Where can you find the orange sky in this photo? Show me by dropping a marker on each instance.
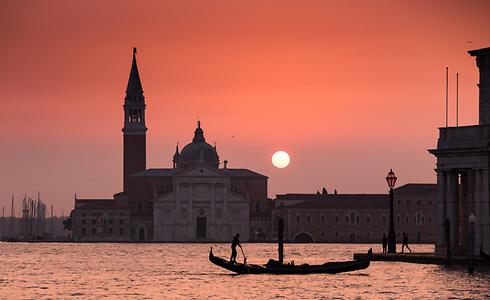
(348, 88)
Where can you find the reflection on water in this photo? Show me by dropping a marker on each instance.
(183, 271)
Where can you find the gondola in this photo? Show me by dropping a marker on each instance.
(275, 267)
(484, 255)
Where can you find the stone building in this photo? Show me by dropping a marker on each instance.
(463, 165)
(415, 211)
(100, 220)
(205, 202)
(194, 200)
(356, 218)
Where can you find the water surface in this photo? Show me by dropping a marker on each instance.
(157, 271)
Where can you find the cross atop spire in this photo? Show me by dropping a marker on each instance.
(134, 82)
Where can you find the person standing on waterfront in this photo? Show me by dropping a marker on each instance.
(405, 243)
(234, 244)
(384, 242)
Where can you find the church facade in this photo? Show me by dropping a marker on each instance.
(463, 176)
(194, 200)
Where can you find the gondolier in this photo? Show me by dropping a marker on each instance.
(234, 244)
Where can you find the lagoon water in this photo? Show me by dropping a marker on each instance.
(168, 271)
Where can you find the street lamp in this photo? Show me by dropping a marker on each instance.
(391, 180)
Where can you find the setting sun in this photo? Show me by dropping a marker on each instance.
(280, 159)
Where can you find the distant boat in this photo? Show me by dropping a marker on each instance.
(484, 255)
(275, 267)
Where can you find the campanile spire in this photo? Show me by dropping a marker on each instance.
(134, 130)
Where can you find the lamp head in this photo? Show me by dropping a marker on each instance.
(391, 179)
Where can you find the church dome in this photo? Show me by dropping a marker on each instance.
(198, 151)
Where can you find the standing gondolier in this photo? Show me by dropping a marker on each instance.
(234, 244)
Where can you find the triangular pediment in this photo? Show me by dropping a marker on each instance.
(200, 170)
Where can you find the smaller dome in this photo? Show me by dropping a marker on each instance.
(176, 154)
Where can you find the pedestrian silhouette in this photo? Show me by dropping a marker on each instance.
(405, 243)
(384, 242)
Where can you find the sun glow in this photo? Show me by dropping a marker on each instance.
(280, 159)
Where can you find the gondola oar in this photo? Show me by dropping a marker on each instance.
(244, 257)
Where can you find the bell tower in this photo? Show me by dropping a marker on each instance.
(134, 131)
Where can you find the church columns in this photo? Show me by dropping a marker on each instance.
(441, 211)
(452, 208)
(177, 202)
(213, 202)
(477, 209)
(485, 210)
(189, 202)
(224, 214)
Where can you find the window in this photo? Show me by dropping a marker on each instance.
(399, 202)
(93, 230)
(121, 222)
(257, 206)
(111, 231)
(429, 202)
(384, 219)
(368, 234)
(430, 219)
(83, 221)
(298, 219)
(323, 233)
(336, 219)
(398, 219)
(83, 231)
(423, 220)
(417, 203)
(110, 221)
(121, 230)
(408, 202)
(368, 219)
(140, 206)
(357, 220)
(347, 219)
(218, 213)
(308, 219)
(93, 222)
(414, 219)
(121, 214)
(352, 218)
(322, 218)
(83, 215)
(407, 219)
(184, 212)
(336, 234)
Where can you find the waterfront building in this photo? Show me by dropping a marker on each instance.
(100, 220)
(463, 181)
(194, 200)
(356, 218)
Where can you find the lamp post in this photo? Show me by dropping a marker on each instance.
(391, 180)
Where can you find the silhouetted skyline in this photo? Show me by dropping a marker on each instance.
(349, 90)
